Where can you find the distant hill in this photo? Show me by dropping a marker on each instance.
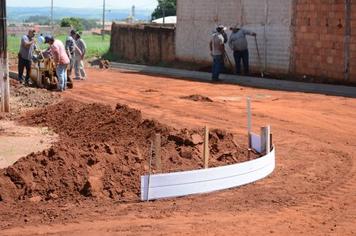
(21, 13)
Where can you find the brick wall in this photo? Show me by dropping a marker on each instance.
(143, 43)
(319, 37)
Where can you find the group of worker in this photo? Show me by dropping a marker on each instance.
(237, 43)
(65, 57)
(72, 53)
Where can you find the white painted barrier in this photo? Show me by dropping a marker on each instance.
(206, 180)
(256, 142)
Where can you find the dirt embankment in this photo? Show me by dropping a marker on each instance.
(102, 153)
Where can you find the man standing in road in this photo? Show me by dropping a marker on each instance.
(70, 47)
(238, 43)
(79, 55)
(27, 47)
(217, 51)
(61, 61)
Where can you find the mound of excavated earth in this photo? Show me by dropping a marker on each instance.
(197, 98)
(102, 152)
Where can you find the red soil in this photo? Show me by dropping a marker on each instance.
(102, 153)
(311, 192)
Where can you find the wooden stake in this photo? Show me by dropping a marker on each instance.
(249, 121)
(158, 152)
(206, 148)
(265, 139)
(2, 85)
(5, 89)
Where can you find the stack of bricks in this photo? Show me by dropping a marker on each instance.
(319, 48)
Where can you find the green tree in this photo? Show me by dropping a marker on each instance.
(79, 24)
(89, 24)
(41, 20)
(73, 22)
(166, 7)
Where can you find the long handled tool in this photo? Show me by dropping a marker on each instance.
(259, 58)
(229, 61)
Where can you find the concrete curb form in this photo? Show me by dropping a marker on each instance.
(184, 183)
(334, 90)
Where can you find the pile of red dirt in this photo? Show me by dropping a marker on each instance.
(102, 153)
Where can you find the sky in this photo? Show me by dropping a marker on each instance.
(110, 4)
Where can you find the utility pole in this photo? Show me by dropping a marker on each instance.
(52, 23)
(133, 13)
(103, 29)
(164, 11)
(4, 67)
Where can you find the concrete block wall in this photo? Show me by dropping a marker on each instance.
(302, 37)
(319, 48)
(270, 19)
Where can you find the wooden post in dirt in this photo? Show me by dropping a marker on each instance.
(265, 139)
(249, 126)
(206, 147)
(2, 85)
(158, 153)
(4, 71)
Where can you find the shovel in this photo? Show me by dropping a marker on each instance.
(259, 58)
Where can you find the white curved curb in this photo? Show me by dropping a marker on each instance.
(206, 180)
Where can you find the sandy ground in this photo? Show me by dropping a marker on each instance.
(311, 192)
(17, 141)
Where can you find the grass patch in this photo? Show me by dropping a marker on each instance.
(96, 47)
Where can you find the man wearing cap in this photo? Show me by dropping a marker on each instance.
(238, 43)
(27, 47)
(70, 47)
(217, 50)
(61, 60)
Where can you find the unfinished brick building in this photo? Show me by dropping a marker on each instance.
(303, 37)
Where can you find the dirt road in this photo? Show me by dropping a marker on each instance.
(312, 191)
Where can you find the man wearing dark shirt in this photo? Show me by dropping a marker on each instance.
(25, 55)
(70, 49)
